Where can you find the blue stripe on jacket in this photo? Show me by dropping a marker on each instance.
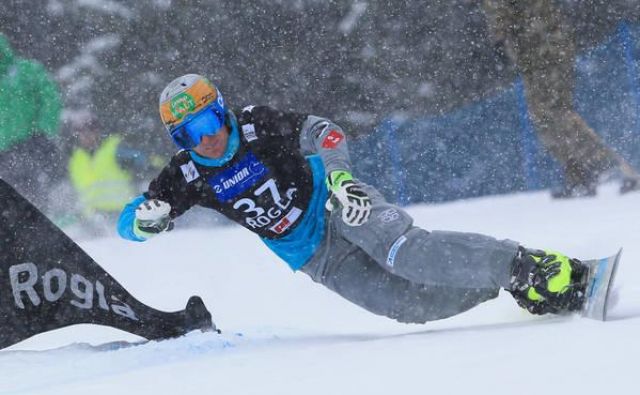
(298, 247)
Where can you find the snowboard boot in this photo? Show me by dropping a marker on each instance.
(548, 282)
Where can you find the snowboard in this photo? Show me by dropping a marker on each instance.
(599, 285)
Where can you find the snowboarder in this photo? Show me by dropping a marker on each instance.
(287, 178)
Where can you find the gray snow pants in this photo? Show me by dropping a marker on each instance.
(395, 269)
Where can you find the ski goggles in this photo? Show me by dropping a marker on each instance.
(206, 122)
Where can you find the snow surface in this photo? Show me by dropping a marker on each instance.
(284, 334)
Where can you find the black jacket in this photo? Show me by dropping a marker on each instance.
(267, 185)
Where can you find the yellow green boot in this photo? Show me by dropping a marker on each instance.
(548, 282)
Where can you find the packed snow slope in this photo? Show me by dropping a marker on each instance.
(283, 334)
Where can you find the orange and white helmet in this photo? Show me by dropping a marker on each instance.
(190, 108)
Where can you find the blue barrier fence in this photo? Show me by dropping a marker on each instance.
(490, 147)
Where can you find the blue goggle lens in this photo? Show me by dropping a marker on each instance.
(190, 133)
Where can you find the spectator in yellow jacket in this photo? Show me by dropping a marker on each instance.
(102, 169)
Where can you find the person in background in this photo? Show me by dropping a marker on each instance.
(103, 170)
(539, 40)
(30, 106)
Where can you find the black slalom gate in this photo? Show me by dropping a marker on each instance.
(47, 282)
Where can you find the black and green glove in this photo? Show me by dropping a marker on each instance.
(350, 195)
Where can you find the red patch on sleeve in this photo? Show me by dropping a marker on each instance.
(281, 226)
(332, 140)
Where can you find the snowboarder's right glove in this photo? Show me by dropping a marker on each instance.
(356, 204)
(152, 217)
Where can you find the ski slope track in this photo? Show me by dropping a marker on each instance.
(284, 334)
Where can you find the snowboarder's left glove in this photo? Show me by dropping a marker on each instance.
(356, 204)
(152, 217)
